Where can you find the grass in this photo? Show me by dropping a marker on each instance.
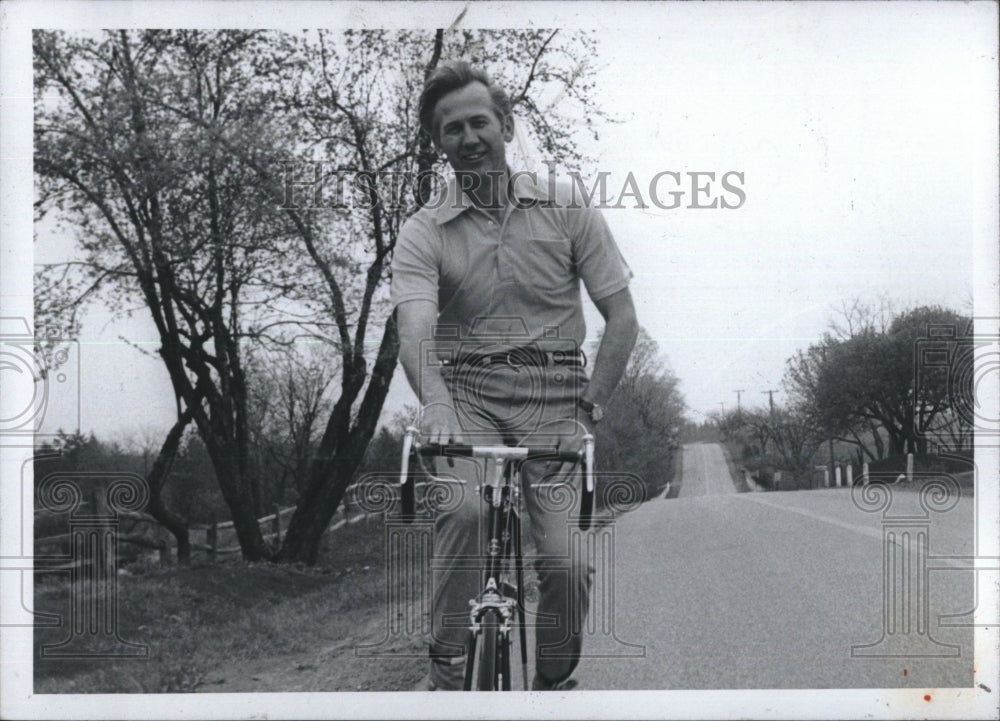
(735, 471)
(959, 463)
(960, 468)
(200, 619)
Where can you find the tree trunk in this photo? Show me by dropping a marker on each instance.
(305, 531)
(173, 522)
(239, 498)
(863, 449)
(877, 438)
(332, 473)
(897, 443)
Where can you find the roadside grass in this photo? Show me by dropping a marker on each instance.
(958, 467)
(202, 618)
(734, 471)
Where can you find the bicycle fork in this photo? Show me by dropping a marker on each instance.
(499, 605)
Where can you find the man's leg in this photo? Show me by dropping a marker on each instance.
(564, 576)
(457, 564)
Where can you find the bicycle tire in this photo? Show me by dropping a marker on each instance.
(489, 652)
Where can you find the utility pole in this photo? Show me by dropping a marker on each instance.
(770, 398)
(738, 399)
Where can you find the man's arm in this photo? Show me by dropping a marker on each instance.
(415, 320)
(620, 331)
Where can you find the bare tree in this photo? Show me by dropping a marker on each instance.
(290, 397)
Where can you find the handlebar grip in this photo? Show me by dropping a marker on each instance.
(449, 449)
(408, 496)
(586, 502)
(407, 481)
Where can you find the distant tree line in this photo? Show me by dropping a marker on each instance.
(881, 383)
(641, 428)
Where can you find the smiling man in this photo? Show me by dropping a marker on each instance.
(486, 289)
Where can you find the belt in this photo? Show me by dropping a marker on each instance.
(517, 357)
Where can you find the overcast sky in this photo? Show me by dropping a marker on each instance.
(865, 136)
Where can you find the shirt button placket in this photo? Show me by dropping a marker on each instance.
(503, 261)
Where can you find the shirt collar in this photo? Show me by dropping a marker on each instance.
(526, 186)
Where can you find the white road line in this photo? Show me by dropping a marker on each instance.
(938, 563)
(863, 530)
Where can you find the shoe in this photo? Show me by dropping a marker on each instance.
(447, 674)
(540, 684)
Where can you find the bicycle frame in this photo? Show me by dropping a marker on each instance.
(498, 606)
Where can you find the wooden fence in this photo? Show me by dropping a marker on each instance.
(215, 539)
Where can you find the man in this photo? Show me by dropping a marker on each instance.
(486, 288)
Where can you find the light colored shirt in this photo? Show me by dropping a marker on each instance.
(513, 283)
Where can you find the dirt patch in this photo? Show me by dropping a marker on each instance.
(333, 667)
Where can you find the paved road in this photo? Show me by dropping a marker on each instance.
(718, 589)
(704, 472)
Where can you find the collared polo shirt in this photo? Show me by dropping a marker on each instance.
(511, 283)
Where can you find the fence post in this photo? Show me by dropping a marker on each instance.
(850, 475)
(164, 552)
(276, 523)
(777, 480)
(212, 536)
(836, 475)
(864, 473)
(909, 468)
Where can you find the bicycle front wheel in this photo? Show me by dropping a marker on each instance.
(491, 672)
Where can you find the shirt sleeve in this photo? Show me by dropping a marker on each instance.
(599, 262)
(415, 263)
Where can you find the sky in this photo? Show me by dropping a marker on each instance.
(856, 133)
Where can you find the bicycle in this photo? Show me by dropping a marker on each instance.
(500, 605)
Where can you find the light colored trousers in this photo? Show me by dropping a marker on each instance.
(529, 405)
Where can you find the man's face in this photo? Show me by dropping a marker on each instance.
(470, 131)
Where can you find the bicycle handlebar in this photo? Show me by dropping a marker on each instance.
(585, 456)
(527, 453)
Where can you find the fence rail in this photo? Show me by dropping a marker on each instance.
(215, 533)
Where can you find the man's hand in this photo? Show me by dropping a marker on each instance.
(439, 424)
